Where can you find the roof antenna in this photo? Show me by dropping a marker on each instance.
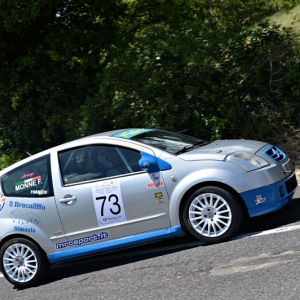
(28, 153)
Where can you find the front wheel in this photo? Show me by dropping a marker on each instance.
(212, 214)
(22, 262)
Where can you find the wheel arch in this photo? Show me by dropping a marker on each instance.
(22, 236)
(222, 185)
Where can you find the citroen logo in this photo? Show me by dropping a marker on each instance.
(275, 153)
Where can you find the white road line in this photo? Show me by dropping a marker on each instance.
(194, 244)
(267, 232)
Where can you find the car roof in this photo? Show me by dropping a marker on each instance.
(106, 134)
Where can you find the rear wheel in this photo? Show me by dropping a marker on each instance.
(23, 263)
(212, 214)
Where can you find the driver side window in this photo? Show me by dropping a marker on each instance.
(97, 162)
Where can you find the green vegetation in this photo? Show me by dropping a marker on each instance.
(215, 69)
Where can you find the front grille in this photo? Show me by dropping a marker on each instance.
(276, 153)
(291, 184)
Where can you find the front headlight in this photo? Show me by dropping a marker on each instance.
(247, 161)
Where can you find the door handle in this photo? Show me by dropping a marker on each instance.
(67, 199)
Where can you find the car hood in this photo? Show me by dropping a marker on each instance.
(219, 149)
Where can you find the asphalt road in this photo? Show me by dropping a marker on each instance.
(261, 262)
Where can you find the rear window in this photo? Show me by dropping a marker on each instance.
(32, 179)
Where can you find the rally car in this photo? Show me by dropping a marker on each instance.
(127, 187)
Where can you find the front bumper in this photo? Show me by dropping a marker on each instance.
(271, 197)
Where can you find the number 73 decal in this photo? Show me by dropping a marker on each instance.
(108, 202)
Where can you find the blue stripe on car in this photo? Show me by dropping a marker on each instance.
(120, 243)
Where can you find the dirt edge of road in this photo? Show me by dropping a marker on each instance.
(298, 175)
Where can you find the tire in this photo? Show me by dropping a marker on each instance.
(212, 214)
(23, 263)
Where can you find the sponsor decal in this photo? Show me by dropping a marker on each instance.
(27, 205)
(159, 197)
(2, 202)
(151, 185)
(260, 200)
(25, 218)
(27, 175)
(28, 183)
(84, 240)
(155, 177)
(57, 233)
(2, 205)
(39, 192)
(127, 134)
(24, 229)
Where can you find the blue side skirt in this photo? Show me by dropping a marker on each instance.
(121, 243)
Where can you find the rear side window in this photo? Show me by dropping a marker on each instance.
(32, 179)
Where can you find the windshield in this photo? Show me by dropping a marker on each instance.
(171, 142)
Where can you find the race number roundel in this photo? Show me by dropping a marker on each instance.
(108, 202)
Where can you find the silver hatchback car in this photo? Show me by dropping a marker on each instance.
(127, 187)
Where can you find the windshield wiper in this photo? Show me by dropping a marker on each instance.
(190, 147)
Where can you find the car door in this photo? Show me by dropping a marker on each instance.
(96, 198)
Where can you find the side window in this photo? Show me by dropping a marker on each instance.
(122, 160)
(32, 179)
(130, 158)
(96, 162)
(79, 164)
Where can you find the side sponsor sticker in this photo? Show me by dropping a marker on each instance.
(159, 198)
(2, 202)
(84, 240)
(153, 185)
(27, 205)
(24, 229)
(26, 218)
(28, 183)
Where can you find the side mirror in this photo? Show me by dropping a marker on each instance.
(153, 164)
